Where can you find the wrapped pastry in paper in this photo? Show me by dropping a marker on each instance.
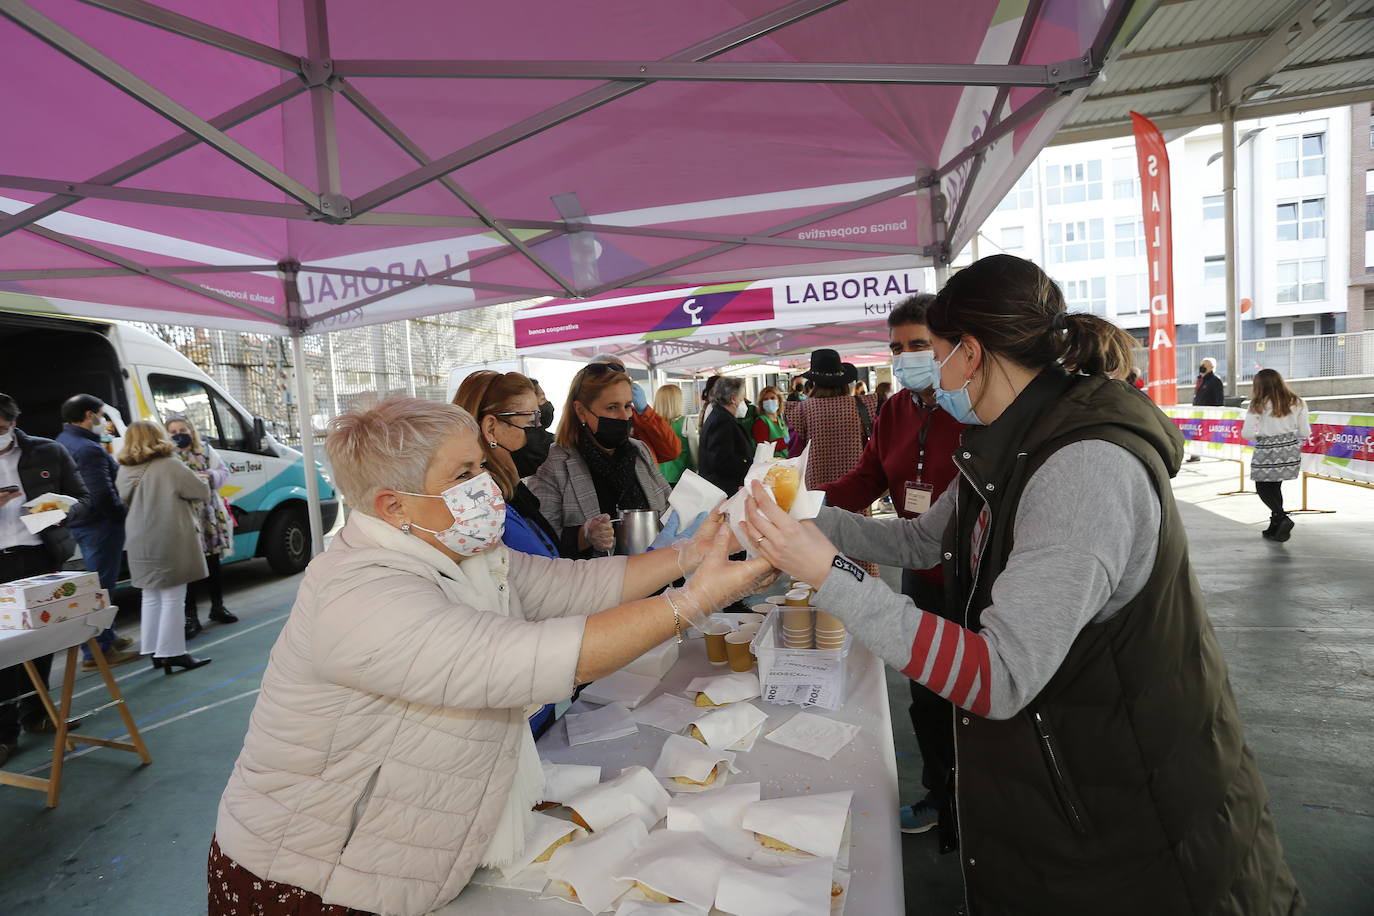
(563, 781)
(622, 687)
(726, 727)
(544, 835)
(723, 689)
(675, 868)
(46, 510)
(629, 907)
(584, 871)
(667, 711)
(634, 792)
(785, 480)
(797, 889)
(690, 766)
(812, 824)
(718, 816)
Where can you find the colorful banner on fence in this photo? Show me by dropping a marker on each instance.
(1341, 444)
(1153, 160)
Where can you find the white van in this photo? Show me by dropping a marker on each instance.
(46, 359)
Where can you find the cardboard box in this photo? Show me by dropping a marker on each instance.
(50, 612)
(37, 590)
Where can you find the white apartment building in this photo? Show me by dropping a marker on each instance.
(1077, 213)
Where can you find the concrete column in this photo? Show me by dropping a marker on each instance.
(1228, 190)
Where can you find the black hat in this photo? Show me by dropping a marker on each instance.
(827, 370)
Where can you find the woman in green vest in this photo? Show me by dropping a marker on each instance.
(1102, 766)
(771, 426)
(668, 405)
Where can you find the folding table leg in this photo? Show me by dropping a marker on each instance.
(118, 697)
(59, 744)
(44, 697)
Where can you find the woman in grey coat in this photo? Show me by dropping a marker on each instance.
(162, 539)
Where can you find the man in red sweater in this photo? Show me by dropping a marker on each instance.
(911, 456)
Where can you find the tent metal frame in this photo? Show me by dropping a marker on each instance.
(324, 80)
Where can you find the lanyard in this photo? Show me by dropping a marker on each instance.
(921, 442)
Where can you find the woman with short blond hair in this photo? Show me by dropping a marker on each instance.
(668, 405)
(388, 756)
(162, 540)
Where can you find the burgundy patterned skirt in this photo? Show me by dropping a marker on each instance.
(236, 891)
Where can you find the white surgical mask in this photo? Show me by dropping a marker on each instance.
(914, 371)
(479, 515)
(770, 405)
(741, 410)
(6, 440)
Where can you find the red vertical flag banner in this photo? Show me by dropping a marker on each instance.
(1153, 161)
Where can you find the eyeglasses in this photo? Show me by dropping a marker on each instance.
(535, 421)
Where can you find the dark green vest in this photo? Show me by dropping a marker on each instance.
(1125, 786)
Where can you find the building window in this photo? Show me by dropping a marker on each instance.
(1076, 241)
(1020, 197)
(1130, 237)
(1132, 296)
(1013, 238)
(1304, 219)
(1301, 157)
(1086, 295)
(1214, 207)
(1302, 281)
(1073, 184)
(1304, 328)
(1125, 177)
(1214, 269)
(1214, 324)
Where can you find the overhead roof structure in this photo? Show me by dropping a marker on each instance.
(292, 165)
(1193, 59)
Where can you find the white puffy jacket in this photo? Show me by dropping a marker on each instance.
(384, 743)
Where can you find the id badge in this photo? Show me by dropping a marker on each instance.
(918, 497)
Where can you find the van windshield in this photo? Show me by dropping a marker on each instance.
(218, 423)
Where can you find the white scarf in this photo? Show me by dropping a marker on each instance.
(481, 578)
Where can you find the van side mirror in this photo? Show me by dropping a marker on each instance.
(259, 435)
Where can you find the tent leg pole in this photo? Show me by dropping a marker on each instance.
(305, 412)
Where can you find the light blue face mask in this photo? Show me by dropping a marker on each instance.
(956, 403)
(914, 371)
(770, 405)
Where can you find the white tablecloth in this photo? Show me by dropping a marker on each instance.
(18, 646)
(867, 765)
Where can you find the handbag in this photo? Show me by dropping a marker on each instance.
(865, 421)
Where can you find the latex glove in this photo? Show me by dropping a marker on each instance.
(797, 548)
(692, 550)
(719, 581)
(599, 532)
(669, 532)
(638, 397)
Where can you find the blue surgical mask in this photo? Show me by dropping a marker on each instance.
(914, 371)
(956, 403)
(770, 405)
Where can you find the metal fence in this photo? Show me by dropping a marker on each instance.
(413, 357)
(1317, 356)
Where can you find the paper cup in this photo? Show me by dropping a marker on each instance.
(737, 650)
(775, 600)
(796, 642)
(763, 608)
(826, 621)
(798, 619)
(797, 597)
(715, 632)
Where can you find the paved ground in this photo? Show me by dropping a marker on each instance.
(1297, 622)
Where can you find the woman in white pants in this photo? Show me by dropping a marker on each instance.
(161, 538)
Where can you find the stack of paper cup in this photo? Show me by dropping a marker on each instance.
(829, 631)
(798, 628)
(797, 597)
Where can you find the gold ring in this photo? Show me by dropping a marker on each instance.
(760, 539)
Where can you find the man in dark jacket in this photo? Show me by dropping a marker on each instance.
(30, 467)
(100, 531)
(1209, 392)
(726, 451)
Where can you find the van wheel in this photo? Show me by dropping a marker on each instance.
(286, 541)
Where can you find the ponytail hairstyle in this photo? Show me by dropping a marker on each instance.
(1017, 313)
(1098, 347)
(1269, 390)
(482, 394)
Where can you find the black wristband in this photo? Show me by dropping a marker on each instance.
(849, 566)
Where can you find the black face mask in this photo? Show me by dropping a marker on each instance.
(546, 415)
(531, 455)
(611, 432)
(1202, 370)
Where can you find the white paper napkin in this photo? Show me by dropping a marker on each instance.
(562, 781)
(635, 791)
(729, 725)
(678, 865)
(38, 521)
(667, 711)
(725, 688)
(541, 832)
(693, 495)
(530, 880)
(692, 760)
(590, 864)
(629, 690)
(657, 662)
(610, 721)
(718, 816)
(750, 889)
(813, 734)
(630, 907)
(811, 823)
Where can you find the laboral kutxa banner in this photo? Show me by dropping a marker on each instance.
(1153, 161)
(1341, 444)
(676, 313)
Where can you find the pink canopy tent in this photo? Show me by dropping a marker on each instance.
(682, 330)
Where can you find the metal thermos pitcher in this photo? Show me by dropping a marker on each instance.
(635, 530)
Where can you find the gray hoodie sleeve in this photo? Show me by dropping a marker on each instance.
(904, 543)
(1087, 532)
